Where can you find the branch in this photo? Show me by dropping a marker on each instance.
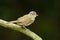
(20, 29)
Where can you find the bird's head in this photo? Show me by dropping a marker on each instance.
(33, 13)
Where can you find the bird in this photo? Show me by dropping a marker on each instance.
(27, 19)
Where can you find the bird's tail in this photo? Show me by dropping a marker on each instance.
(13, 21)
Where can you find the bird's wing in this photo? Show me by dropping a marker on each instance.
(23, 19)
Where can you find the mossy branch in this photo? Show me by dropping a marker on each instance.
(20, 29)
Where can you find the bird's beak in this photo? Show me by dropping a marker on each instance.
(37, 15)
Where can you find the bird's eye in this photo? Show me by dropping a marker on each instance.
(32, 13)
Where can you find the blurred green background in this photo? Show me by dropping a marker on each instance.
(46, 25)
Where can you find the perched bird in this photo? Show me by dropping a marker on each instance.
(27, 19)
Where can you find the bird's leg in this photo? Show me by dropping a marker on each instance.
(23, 27)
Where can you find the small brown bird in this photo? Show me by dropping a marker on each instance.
(27, 19)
